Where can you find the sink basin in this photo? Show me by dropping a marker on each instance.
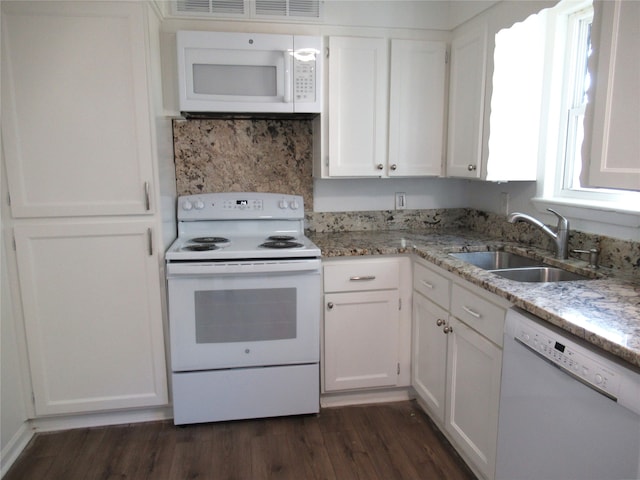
(539, 274)
(496, 260)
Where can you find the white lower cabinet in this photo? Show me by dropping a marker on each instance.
(361, 347)
(429, 355)
(93, 320)
(473, 394)
(362, 324)
(457, 361)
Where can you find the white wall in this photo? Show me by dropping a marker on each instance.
(342, 195)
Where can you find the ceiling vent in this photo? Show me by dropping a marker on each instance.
(306, 10)
(288, 8)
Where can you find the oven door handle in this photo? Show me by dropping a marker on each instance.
(244, 268)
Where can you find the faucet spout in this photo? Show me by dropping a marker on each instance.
(560, 237)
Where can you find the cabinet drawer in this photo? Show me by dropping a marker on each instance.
(481, 315)
(431, 284)
(361, 275)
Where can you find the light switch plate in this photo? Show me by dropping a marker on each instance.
(401, 200)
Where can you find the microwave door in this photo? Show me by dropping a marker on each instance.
(237, 81)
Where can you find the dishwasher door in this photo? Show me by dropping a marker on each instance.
(551, 425)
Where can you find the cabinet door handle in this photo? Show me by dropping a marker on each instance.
(471, 312)
(330, 305)
(147, 197)
(447, 329)
(379, 166)
(471, 168)
(427, 284)
(394, 167)
(361, 278)
(440, 322)
(150, 241)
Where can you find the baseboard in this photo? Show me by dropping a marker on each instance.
(341, 399)
(100, 419)
(15, 446)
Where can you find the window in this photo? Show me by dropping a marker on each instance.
(568, 80)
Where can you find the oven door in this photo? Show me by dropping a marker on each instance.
(241, 314)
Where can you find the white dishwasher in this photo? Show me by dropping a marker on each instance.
(566, 411)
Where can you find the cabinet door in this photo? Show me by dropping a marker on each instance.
(429, 355)
(358, 93)
(361, 339)
(466, 102)
(416, 108)
(473, 392)
(92, 307)
(75, 109)
(611, 154)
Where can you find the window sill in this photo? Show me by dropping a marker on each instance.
(596, 212)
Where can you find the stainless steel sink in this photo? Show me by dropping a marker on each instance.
(496, 260)
(539, 274)
(516, 267)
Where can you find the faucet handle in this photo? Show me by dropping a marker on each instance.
(563, 223)
(594, 255)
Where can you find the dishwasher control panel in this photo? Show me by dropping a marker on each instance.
(573, 358)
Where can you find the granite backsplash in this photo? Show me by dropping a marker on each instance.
(234, 155)
(273, 155)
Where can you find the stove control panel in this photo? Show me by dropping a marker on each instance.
(240, 206)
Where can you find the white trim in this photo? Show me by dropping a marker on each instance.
(340, 399)
(15, 446)
(598, 212)
(67, 422)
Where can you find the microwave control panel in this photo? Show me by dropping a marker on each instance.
(304, 87)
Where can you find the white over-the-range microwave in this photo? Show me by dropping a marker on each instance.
(249, 73)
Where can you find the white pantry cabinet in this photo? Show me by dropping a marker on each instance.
(386, 107)
(457, 361)
(92, 313)
(361, 324)
(611, 152)
(75, 110)
(82, 180)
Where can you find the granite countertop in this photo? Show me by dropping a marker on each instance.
(604, 311)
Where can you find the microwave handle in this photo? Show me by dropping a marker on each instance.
(288, 74)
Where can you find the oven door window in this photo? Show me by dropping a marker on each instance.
(252, 315)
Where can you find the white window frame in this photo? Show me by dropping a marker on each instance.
(617, 207)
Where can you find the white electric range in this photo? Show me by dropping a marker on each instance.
(244, 290)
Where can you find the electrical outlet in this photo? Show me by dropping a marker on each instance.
(401, 200)
(504, 202)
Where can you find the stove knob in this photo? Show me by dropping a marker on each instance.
(294, 205)
(199, 205)
(187, 205)
(282, 204)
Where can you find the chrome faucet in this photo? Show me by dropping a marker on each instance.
(560, 237)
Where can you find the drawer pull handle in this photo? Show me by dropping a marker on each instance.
(471, 312)
(362, 278)
(427, 284)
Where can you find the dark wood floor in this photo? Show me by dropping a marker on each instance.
(381, 441)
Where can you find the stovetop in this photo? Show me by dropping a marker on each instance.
(221, 226)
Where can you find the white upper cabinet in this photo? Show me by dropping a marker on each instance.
(611, 154)
(358, 97)
(495, 91)
(75, 109)
(386, 107)
(466, 101)
(416, 108)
